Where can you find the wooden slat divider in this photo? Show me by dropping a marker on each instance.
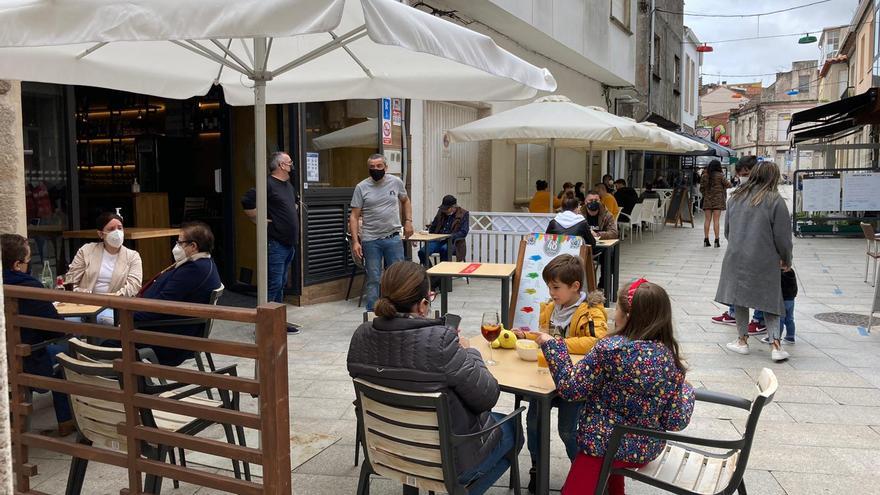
(75, 449)
(201, 478)
(70, 388)
(224, 382)
(195, 344)
(241, 315)
(219, 415)
(64, 327)
(269, 353)
(189, 442)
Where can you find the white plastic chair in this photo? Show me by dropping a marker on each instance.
(651, 213)
(632, 221)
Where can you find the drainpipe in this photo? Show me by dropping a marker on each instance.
(651, 60)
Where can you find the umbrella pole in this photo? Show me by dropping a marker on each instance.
(260, 169)
(552, 172)
(589, 175)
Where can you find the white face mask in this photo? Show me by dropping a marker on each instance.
(178, 253)
(114, 239)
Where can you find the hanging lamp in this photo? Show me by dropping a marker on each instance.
(806, 39)
(704, 48)
(792, 92)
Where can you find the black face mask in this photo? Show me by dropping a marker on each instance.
(377, 174)
(593, 206)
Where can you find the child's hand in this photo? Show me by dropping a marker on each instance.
(541, 338)
(518, 332)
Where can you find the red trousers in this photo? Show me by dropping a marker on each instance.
(584, 475)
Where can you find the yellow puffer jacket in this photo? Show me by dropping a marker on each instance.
(579, 339)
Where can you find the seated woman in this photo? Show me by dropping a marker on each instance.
(570, 222)
(192, 278)
(424, 355)
(16, 262)
(106, 267)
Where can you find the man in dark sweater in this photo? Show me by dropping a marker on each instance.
(626, 197)
(283, 227)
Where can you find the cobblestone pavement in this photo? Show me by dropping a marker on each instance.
(821, 435)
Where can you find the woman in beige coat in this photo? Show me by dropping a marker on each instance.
(106, 267)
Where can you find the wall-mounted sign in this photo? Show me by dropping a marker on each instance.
(386, 120)
(704, 132)
(395, 112)
(724, 140)
(313, 169)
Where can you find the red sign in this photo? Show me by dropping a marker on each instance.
(386, 132)
(471, 268)
(724, 140)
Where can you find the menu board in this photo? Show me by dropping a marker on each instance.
(861, 191)
(821, 195)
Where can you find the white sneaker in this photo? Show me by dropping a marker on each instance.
(784, 340)
(737, 347)
(779, 355)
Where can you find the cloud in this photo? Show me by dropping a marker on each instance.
(761, 56)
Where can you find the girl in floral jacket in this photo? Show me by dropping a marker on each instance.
(634, 377)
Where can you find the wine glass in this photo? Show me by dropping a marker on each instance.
(490, 329)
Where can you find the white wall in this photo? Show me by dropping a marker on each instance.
(690, 89)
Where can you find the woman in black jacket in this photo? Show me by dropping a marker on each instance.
(404, 348)
(570, 222)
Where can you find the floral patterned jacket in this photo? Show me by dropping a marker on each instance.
(631, 382)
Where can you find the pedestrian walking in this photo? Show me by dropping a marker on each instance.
(283, 227)
(758, 230)
(789, 292)
(378, 201)
(713, 186)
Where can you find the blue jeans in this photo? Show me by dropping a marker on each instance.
(569, 413)
(379, 254)
(432, 247)
(280, 257)
(495, 464)
(60, 400)
(786, 322)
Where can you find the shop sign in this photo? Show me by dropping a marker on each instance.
(704, 132)
(386, 120)
(724, 140)
(395, 112)
(313, 169)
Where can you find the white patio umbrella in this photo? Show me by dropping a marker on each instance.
(362, 135)
(260, 51)
(558, 122)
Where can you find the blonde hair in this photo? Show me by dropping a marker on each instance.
(762, 183)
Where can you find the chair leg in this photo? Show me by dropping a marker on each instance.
(210, 359)
(173, 460)
(741, 489)
(230, 438)
(77, 473)
(363, 286)
(364, 480)
(242, 440)
(350, 283)
(357, 446)
(201, 366)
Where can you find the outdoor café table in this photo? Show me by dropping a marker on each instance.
(610, 266)
(448, 269)
(87, 311)
(523, 379)
(425, 238)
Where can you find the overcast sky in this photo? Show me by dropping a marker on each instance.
(759, 56)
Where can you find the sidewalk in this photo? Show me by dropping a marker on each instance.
(821, 435)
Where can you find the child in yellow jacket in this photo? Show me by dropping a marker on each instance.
(580, 320)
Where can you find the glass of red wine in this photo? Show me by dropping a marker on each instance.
(491, 329)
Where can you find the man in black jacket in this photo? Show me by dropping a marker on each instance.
(450, 219)
(626, 197)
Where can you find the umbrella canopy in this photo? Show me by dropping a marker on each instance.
(363, 135)
(260, 51)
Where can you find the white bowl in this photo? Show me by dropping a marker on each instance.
(527, 349)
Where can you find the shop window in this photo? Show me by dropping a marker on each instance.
(804, 84)
(658, 50)
(620, 13)
(339, 137)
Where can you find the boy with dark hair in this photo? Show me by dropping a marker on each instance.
(580, 320)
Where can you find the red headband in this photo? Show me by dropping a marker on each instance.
(632, 289)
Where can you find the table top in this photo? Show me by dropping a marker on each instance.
(71, 309)
(484, 270)
(514, 374)
(131, 233)
(607, 242)
(419, 237)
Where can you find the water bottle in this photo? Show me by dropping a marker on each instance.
(47, 277)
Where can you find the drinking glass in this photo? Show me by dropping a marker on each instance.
(490, 329)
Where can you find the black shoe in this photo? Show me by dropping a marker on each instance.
(293, 329)
(533, 480)
(706, 242)
(717, 243)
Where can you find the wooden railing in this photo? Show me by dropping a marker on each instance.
(270, 385)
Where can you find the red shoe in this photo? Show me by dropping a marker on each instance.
(724, 319)
(757, 328)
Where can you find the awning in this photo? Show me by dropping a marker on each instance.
(362, 135)
(714, 149)
(835, 117)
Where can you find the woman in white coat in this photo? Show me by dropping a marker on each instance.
(106, 267)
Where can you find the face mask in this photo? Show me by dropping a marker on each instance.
(377, 174)
(593, 206)
(178, 253)
(114, 239)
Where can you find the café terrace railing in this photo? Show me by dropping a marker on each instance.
(272, 420)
